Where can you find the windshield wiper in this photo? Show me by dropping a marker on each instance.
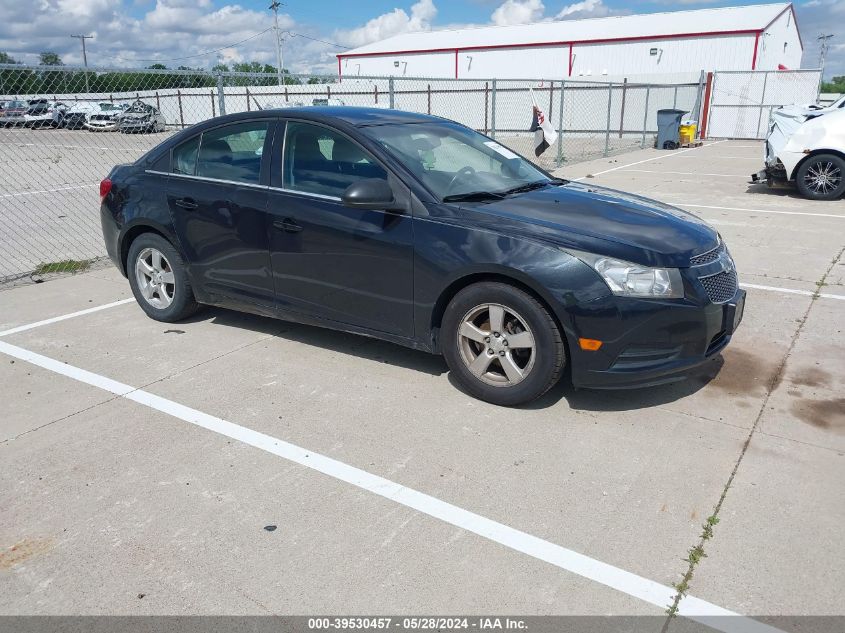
(473, 196)
(530, 186)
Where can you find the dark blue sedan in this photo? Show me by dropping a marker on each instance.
(423, 232)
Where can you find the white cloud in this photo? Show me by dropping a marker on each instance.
(584, 9)
(390, 24)
(527, 11)
(813, 19)
(518, 12)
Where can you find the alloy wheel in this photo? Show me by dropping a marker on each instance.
(496, 345)
(155, 278)
(823, 177)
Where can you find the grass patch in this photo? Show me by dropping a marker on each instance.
(63, 266)
(693, 559)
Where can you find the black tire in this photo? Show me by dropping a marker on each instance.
(547, 357)
(182, 303)
(807, 178)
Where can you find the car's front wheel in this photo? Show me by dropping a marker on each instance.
(501, 344)
(159, 279)
(821, 177)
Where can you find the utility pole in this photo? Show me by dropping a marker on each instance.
(275, 9)
(823, 51)
(84, 57)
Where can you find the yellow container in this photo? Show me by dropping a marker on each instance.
(687, 131)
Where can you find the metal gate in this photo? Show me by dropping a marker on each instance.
(741, 101)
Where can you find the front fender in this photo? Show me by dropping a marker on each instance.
(449, 256)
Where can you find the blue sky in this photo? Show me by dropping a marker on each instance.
(182, 32)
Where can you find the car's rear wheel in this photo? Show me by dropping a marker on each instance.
(821, 177)
(501, 344)
(159, 279)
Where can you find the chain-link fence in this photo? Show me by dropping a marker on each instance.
(741, 102)
(62, 129)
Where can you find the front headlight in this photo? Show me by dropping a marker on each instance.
(633, 280)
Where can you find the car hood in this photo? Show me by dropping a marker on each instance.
(602, 221)
(825, 131)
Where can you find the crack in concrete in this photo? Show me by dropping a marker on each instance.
(696, 553)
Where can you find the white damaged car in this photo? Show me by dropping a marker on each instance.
(806, 146)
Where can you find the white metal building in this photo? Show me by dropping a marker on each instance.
(757, 37)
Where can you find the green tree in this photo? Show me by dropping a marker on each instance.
(837, 84)
(49, 58)
(157, 67)
(5, 58)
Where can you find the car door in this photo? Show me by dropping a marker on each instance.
(217, 194)
(352, 266)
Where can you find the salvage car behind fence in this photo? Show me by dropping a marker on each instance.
(52, 160)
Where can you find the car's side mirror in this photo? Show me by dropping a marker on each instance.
(370, 193)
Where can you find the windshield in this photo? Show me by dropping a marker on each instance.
(456, 162)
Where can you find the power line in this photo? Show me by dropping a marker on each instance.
(217, 50)
(203, 54)
(308, 37)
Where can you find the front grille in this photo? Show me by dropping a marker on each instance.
(706, 258)
(720, 287)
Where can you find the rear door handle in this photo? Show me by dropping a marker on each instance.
(287, 225)
(186, 203)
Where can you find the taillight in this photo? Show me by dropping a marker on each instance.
(105, 187)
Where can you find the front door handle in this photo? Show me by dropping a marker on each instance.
(186, 203)
(288, 225)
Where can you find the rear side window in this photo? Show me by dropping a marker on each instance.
(233, 152)
(185, 157)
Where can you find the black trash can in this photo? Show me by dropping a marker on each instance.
(668, 128)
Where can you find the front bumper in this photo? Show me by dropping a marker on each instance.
(134, 126)
(647, 342)
(773, 175)
(101, 127)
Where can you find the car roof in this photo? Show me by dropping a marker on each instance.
(351, 115)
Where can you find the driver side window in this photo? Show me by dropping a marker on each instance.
(321, 161)
(452, 155)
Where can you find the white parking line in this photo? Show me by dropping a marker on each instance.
(757, 158)
(686, 173)
(631, 584)
(32, 193)
(806, 293)
(648, 160)
(705, 206)
(30, 326)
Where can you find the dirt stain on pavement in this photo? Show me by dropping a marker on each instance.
(743, 373)
(811, 377)
(24, 550)
(822, 414)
